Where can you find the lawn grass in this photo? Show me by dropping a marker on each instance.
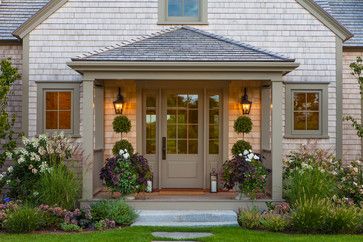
(143, 234)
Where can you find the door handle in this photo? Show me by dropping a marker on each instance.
(163, 148)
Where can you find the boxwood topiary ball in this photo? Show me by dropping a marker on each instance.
(240, 146)
(121, 124)
(121, 145)
(243, 124)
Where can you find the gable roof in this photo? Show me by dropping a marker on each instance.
(350, 14)
(14, 13)
(183, 44)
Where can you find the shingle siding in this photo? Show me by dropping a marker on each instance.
(282, 26)
(351, 106)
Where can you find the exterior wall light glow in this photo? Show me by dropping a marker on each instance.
(118, 104)
(245, 103)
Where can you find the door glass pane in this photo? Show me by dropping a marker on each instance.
(193, 132)
(214, 124)
(150, 124)
(193, 116)
(171, 146)
(171, 132)
(193, 147)
(182, 123)
(182, 147)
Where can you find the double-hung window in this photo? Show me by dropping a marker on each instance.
(58, 108)
(306, 111)
(182, 11)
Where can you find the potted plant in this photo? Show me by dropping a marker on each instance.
(246, 173)
(243, 125)
(122, 125)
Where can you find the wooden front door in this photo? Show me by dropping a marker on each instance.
(182, 139)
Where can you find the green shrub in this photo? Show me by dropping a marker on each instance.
(122, 145)
(310, 214)
(121, 124)
(343, 219)
(240, 146)
(243, 124)
(23, 219)
(309, 182)
(70, 227)
(59, 187)
(274, 222)
(117, 210)
(249, 219)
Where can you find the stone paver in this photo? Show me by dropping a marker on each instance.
(180, 235)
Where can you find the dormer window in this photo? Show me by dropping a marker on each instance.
(182, 12)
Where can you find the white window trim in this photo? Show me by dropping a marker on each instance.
(43, 87)
(164, 19)
(322, 133)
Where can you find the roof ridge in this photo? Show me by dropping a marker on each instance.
(128, 42)
(235, 42)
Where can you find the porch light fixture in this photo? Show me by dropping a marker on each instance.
(118, 104)
(245, 103)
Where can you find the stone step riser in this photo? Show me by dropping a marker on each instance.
(191, 218)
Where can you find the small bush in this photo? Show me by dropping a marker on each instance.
(58, 187)
(243, 124)
(344, 219)
(249, 219)
(309, 182)
(105, 224)
(121, 124)
(122, 145)
(118, 211)
(70, 227)
(23, 219)
(274, 222)
(240, 146)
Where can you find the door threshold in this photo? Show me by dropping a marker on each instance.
(181, 191)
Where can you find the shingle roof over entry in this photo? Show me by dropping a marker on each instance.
(184, 44)
(350, 14)
(14, 13)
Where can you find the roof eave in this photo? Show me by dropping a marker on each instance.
(115, 66)
(38, 18)
(329, 21)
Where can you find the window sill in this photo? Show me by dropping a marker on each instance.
(182, 22)
(290, 136)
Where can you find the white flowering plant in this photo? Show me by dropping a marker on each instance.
(247, 171)
(311, 165)
(38, 155)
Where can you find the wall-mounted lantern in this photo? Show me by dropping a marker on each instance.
(118, 104)
(245, 103)
(213, 181)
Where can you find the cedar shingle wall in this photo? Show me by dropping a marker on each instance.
(351, 106)
(282, 26)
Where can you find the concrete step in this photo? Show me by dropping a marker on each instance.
(186, 218)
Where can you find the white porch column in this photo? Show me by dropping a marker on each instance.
(276, 145)
(87, 139)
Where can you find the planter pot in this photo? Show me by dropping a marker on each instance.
(130, 197)
(242, 197)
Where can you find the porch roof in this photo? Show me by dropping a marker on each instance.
(183, 44)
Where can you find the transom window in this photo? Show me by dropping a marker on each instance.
(182, 11)
(306, 111)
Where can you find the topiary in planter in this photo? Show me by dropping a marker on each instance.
(240, 146)
(243, 124)
(121, 145)
(121, 124)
